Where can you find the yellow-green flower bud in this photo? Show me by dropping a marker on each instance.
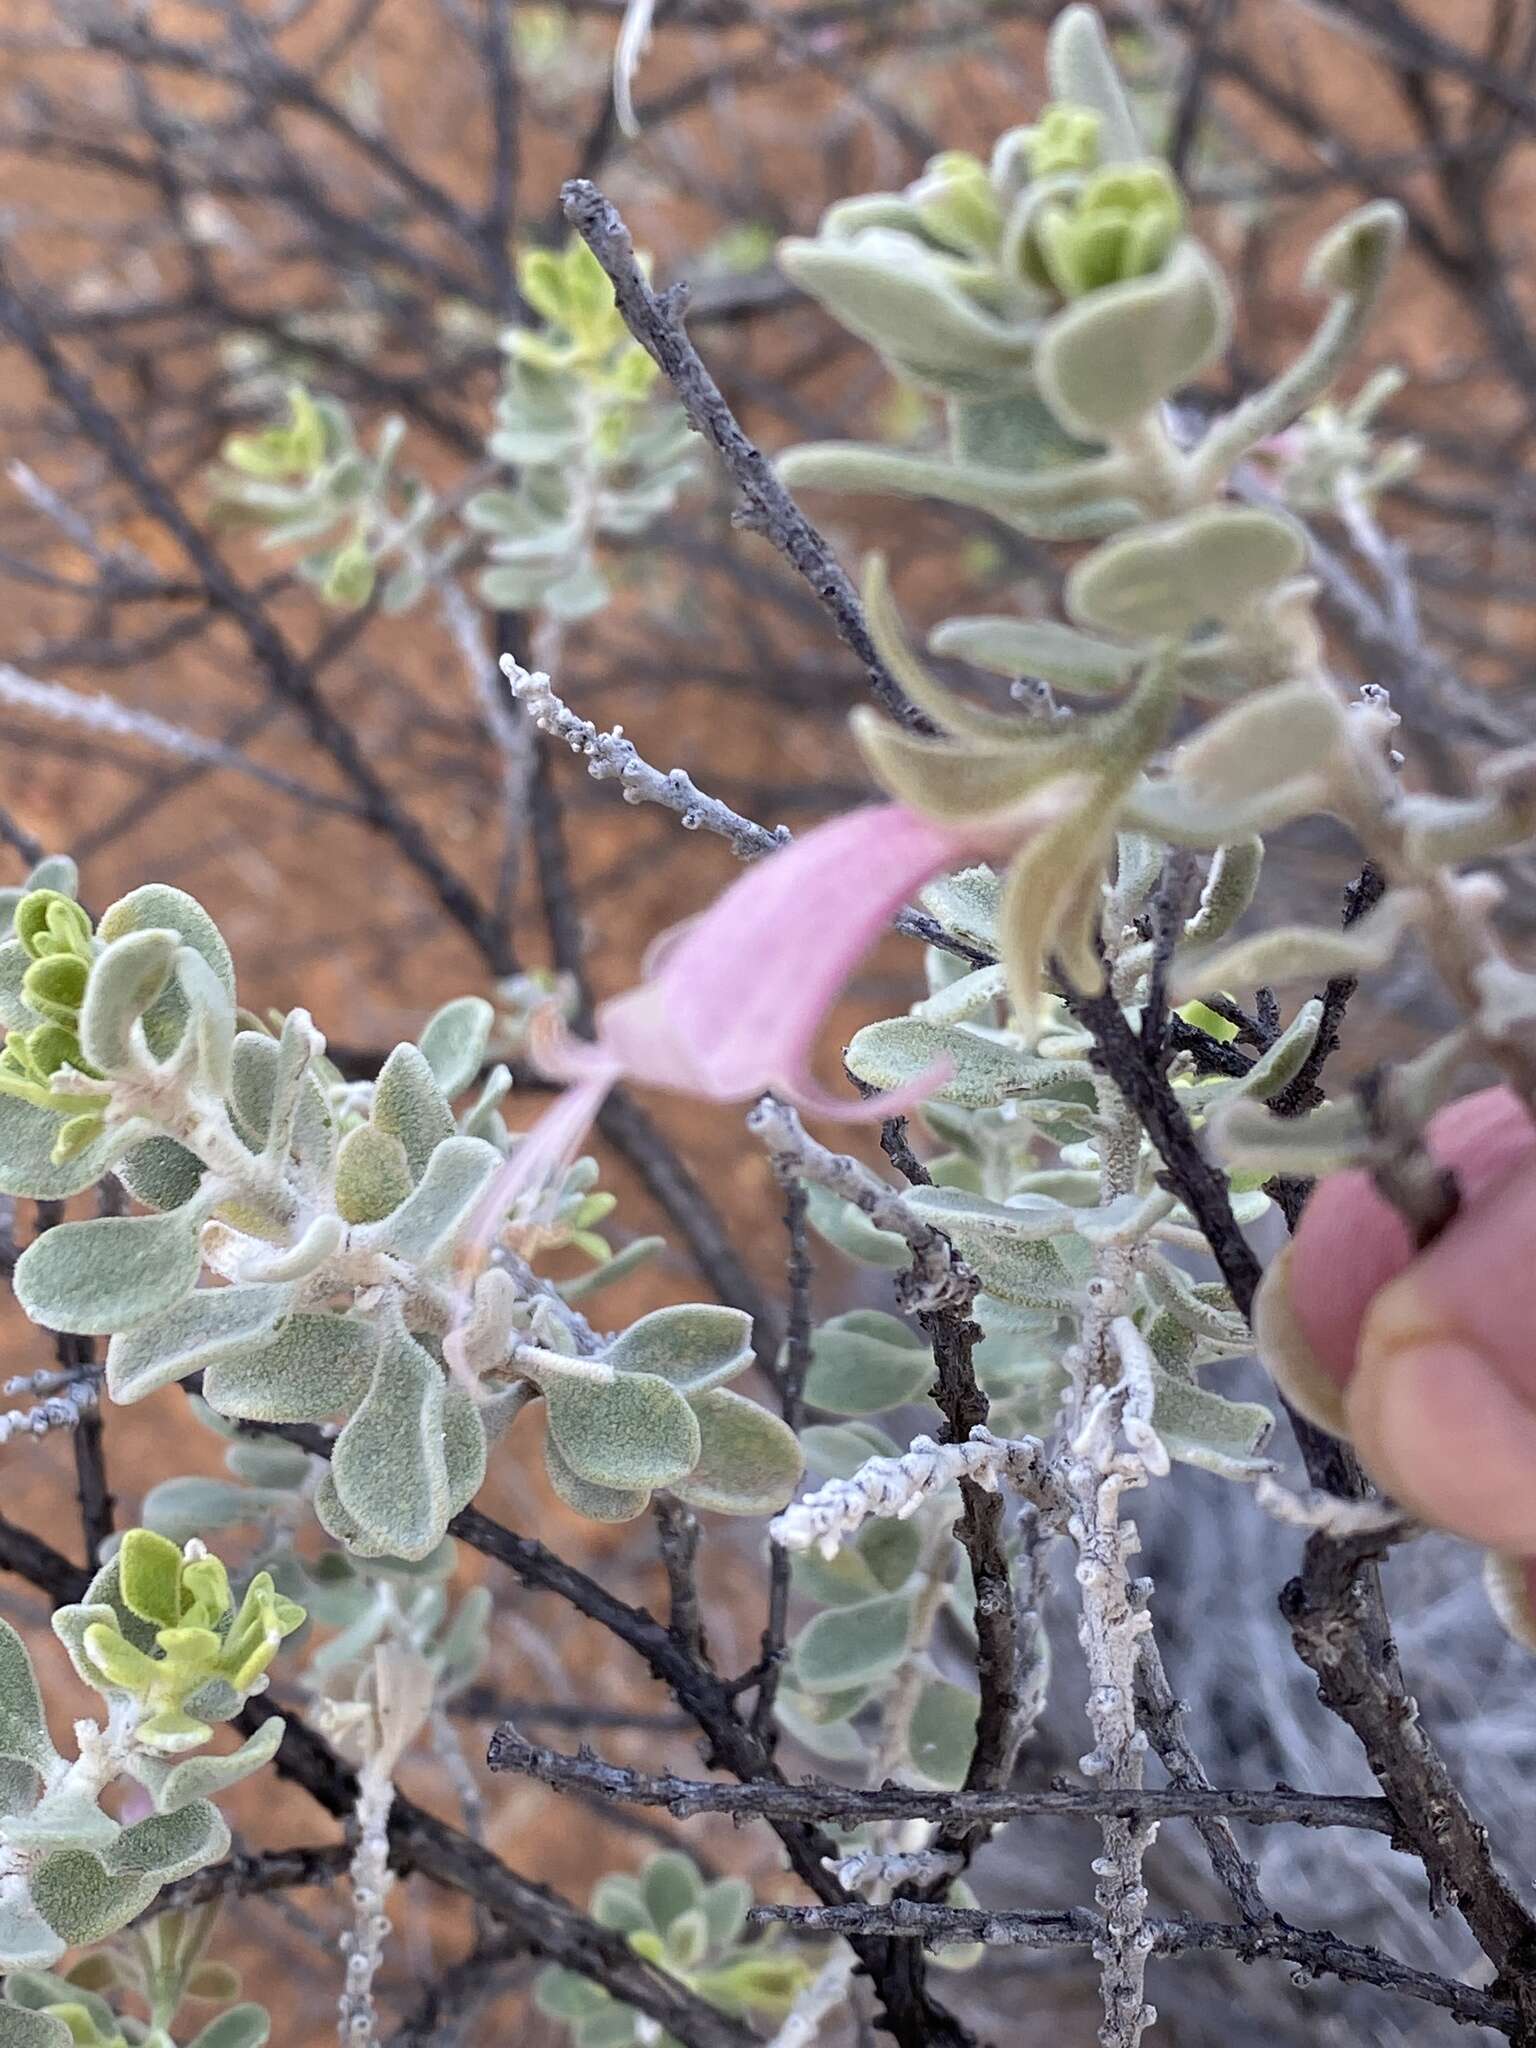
(957, 205)
(296, 450)
(48, 924)
(350, 578)
(1065, 139)
(55, 987)
(187, 1600)
(1121, 225)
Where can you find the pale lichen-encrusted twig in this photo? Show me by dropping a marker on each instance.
(938, 1279)
(68, 1399)
(611, 757)
(871, 1870)
(1319, 1513)
(827, 1990)
(895, 1488)
(1109, 1448)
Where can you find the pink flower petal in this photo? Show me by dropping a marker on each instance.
(736, 1001)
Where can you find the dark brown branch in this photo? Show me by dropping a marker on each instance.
(852, 1806)
(656, 322)
(1075, 1927)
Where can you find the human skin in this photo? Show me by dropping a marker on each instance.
(1434, 1353)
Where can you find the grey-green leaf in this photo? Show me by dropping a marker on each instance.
(109, 1273)
(865, 1361)
(125, 979)
(597, 1503)
(388, 1464)
(453, 1042)
(852, 1646)
(174, 1785)
(749, 1462)
(23, 1730)
(693, 1346)
(243, 2026)
(312, 1367)
(1115, 354)
(408, 1103)
(27, 1138)
(636, 1432)
(448, 1185)
(191, 1336)
(942, 1732)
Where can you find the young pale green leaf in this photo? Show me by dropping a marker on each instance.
(637, 1432)
(836, 1450)
(852, 1646)
(865, 1361)
(693, 1346)
(1248, 1136)
(243, 2026)
(1205, 1429)
(192, 1336)
(1302, 952)
(157, 907)
(23, 1731)
(941, 1732)
(28, 1135)
(373, 1176)
(670, 1886)
(388, 1464)
(898, 1050)
(966, 904)
(160, 1173)
(1082, 72)
(1037, 647)
(109, 1273)
(999, 1228)
(1114, 355)
(172, 1785)
(453, 1042)
(749, 1461)
(149, 1578)
(448, 1187)
(125, 979)
(312, 1367)
(850, 1231)
(1213, 564)
(408, 1103)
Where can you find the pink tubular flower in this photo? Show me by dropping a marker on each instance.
(730, 1004)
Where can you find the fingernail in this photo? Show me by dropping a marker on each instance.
(1438, 1426)
(1288, 1357)
(1510, 1583)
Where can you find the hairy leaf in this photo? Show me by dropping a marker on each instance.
(109, 1273)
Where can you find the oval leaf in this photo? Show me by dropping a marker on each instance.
(110, 1273)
